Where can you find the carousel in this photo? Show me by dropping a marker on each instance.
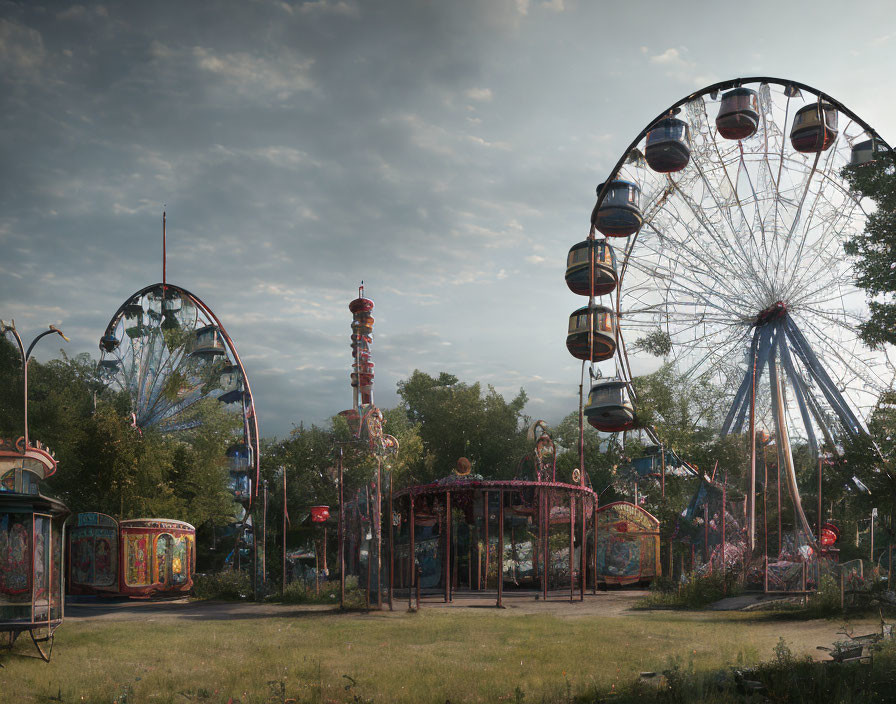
(32, 530)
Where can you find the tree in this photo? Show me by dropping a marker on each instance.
(105, 464)
(876, 247)
(458, 420)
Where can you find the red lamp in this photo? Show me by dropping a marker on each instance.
(319, 514)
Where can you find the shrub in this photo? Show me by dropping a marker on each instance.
(696, 591)
(229, 584)
(301, 592)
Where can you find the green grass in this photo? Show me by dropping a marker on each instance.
(461, 655)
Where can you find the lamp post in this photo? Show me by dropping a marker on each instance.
(26, 356)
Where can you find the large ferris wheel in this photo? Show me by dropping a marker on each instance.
(723, 226)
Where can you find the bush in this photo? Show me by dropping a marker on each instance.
(229, 584)
(301, 592)
(697, 591)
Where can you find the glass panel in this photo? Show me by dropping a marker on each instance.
(830, 115)
(163, 559)
(56, 573)
(741, 103)
(15, 566)
(673, 130)
(180, 560)
(40, 588)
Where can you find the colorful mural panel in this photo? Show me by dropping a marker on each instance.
(628, 544)
(137, 560)
(15, 551)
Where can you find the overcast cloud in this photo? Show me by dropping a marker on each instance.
(444, 152)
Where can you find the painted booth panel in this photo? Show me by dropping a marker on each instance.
(628, 544)
(157, 556)
(93, 554)
(15, 566)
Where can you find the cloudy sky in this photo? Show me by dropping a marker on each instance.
(444, 152)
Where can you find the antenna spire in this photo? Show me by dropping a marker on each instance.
(164, 252)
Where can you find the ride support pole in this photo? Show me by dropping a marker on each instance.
(663, 469)
(500, 547)
(447, 554)
(369, 548)
(842, 591)
(391, 544)
(469, 557)
(724, 551)
(379, 534)
(412, 552)
(572, 546)
(546, 516)
(455, 529)
(819, 499)
(418, 572)
(283, 555)
(594, 553)
(487, 544)
(890, 568)
(478, 562)
(706, 532)
(583, 566)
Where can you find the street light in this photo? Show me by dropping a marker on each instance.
(26, 355)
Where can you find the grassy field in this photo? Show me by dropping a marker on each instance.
(461, 655)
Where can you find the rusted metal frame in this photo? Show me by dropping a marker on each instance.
(500, 547)
(492, 484)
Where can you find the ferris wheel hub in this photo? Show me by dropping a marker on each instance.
(776, 311)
